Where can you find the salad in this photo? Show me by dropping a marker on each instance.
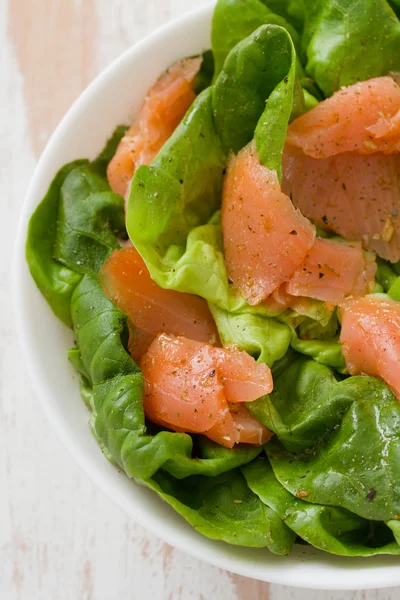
(230, 266)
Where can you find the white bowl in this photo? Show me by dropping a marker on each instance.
(113, 98)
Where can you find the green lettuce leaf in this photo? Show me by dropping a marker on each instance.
(310, 101)
(51, 259)
(337, 440)
(224, 508)
(90, 217)
(317, 330)
(295, 409)
(75, 358)
(394, 290)
(181, 189)
(264, 338)
(251, 73)
(394, 525)
(324, 352)
(234, 20)
(117, 386)
(320, 342)
(316, 311)
(292, 10)
(395, 4)
(270, 132)
(385, 274)
(328, 528)
(348, 41)
(54, 280)
(204, 77)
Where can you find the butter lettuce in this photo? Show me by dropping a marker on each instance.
(292, 10)
(394, 289)
(325, 352)
(348, 41)
(385, 275)
(260, 67)
(337, 440)
(235, 20)
(54, 280)
(268, 339)
(79, 202)
(90, 217)
(224, 508)
(328, 528)
(264, 338)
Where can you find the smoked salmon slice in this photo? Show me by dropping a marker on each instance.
(151, 309)
(265, 237)
(356, 196)
(190, 386)
(237, 370)
(364, 117)
(248, 429)
(333, 270)
(163, 109)
(280, 300)
(371, 338)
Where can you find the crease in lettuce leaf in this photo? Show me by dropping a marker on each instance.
(315, 311)
(224, 508)
(337, 440)
(328, 528)
(234, 20)
(204, 77)
(320, 341)
(319, 330)
(324, 352)
(266, 339)
(292, 10)
(394, 525)
(271, 129)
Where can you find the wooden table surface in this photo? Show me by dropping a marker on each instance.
(60, 538)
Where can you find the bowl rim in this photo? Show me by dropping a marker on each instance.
(299, 575)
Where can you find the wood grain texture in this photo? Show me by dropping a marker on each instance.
(60, 538)
(54, 43)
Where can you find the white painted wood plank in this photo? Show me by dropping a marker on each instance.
(286, 593)
(60, 538)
